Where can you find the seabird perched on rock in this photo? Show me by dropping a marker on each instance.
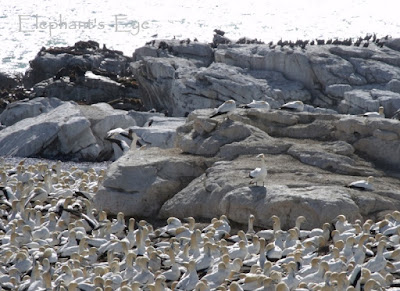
(225, 107)
(293, 106)
(380, 113)
(257, 104)
(122, 140)
(363, 184)
(259, 174)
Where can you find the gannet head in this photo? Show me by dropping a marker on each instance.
(260, 156)
(370, 179)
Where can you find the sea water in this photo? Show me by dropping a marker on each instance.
(27, 25)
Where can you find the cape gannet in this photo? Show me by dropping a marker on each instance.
(380, 113)
(225, 107)
(293, 106)
(257, 104)
(259, 174)
(363, 184)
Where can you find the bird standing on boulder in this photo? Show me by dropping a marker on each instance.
(226, 107)
(257, 104)
(259, 174)
(293, 106)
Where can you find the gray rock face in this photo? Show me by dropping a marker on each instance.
(346, 79)
(140, 182)
(180, 87)
(159, 131)
(27, 108)
(90, 89)
(53, 128)
(63, 130)
(310, 159)
(224, 189)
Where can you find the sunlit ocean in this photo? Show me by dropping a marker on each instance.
(27, 25)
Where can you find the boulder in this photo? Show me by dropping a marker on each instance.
(19, 110)
(159, 131)
(224, 189)
(103, 118)
(141, 118)
(90, 89)
(142, 180)
(63, 131)
(291, 189)
(8, 80)
(48, 62)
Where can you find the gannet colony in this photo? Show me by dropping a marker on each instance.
(53, 239)
(221, 115)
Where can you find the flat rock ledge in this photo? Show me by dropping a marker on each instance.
(310, 158)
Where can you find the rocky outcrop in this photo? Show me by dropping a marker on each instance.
(311, 155)
(224, 189)
(88, 89)
(17, 111)
(180, 87)
(8, 81)
(159, 131)
(310, 159)
(200, 54)
(347, 79)
(62, 130)
(75, 60)
(86, 129)
(141, 181)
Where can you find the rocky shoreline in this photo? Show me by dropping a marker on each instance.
(66, 116)
(78, 103)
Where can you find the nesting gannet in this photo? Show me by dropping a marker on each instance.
(378, 262)
(257, 104)
(380, 113)
(363, 184)
(293, 106)
(215, 279)
(225, 107)
(268, 234)
(342, 224)
(189, 279)
(259, 174)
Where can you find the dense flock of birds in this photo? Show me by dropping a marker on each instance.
(358, 41)
(53, 239)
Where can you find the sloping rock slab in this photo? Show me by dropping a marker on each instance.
(19, 110)
(142, 180)
(61, 131)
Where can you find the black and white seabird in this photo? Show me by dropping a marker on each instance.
(257, 104)
(293, 106)
(225, 107)
(259, 174)
(380, 113)
(362, 184)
